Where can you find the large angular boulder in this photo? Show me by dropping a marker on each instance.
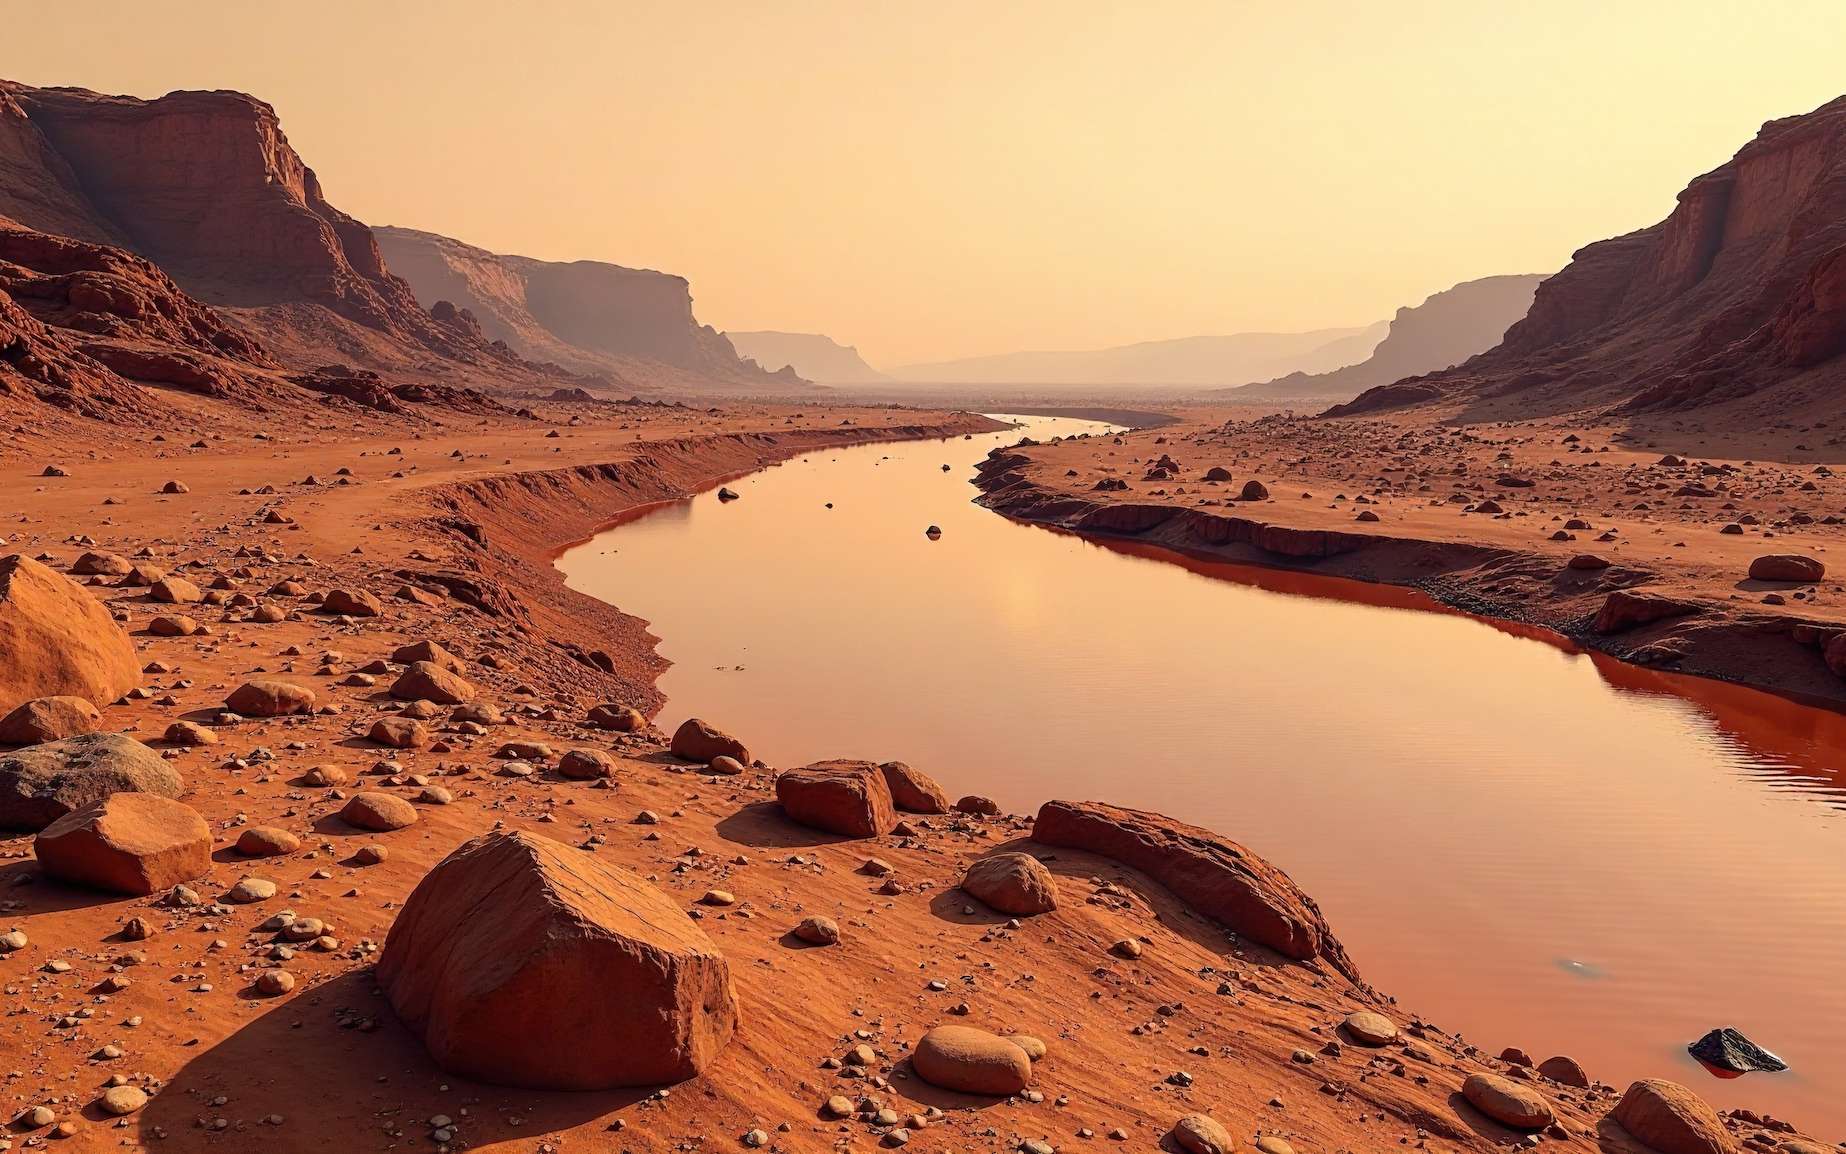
(524, 962)
(1794, 567)
(428, 681)
(696, 740)
(427, 651)
(1214, 875)
(849, 798)
(1667, 1117)
(41, 783)
(351, 603)
(58, 640)
(270, 697)
(48, 719)
(127, 843)
(1012, 883)
(971, 1061)
(912, 790)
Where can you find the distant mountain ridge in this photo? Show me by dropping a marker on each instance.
(1233, 359)
(589, 316)
(815, 356)
(1445, 330)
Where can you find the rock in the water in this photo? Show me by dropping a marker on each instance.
(1507, 1102)
(1667, 1117)
(41, 783)
(427, 681)
(1214, 875)
(849, 798)
(1787, 567)
(380, 812)
(270, 697)
(1727, 1049)
(1201, 1134)
(1371, 1029)
(971, 1061)
(912, 790)
(520, 961)
(48, 719)
(1013, 883)
(695, 740)
(58, 640)
(127, 843)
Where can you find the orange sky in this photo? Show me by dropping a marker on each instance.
(957, 178)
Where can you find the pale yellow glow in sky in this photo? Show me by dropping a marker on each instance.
(956, 178)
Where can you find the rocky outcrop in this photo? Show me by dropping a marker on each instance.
(518, 960)
(589, 316)
(1445, 330)
(1738, 291)
(58, 640)
(1214, 875)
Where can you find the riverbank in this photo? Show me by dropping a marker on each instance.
(1535, 526)
(452, 530)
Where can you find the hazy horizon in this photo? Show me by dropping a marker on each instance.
(968, 182)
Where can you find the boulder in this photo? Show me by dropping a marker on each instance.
(1787, 567)
(1012, 883)
(41, 783)
(58, 640)
(175, 591)
(971, 1061)
(48, 719)
(1201, 1134)
(126, 843)
(1510, 1103)
(695, 740)
(270, 697)
(1667, 1117)
(428, 681)
(584, 764)
(399, 732)
(266, 841)
(523, 962)
(380, 812)
(1254, 491)
(96, 564)
(1564, 1070)
(912, 790)
(848, 798)
(351, 603)
(1369, 1028)
(173, 625)
(1217, 473)
(1626, 608)
(1215, 876)
(427, 651)
(1727, 1049)
(616, 718)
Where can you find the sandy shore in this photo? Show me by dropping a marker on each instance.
(454, 529)
(1488, 521)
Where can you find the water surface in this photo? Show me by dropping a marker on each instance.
(1536, 847)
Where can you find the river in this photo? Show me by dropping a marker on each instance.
(1535, 847)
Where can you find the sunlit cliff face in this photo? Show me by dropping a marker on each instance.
(960, 180)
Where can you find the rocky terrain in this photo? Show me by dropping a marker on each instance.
(1735, 298)
(1446, 329)
(339, 823)
(634, 327)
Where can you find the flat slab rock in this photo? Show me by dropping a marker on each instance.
(1214, 875)
(524, 962)
(127, 843)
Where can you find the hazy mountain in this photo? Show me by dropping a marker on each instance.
(1444, 330)
(1194, 361)
(814, 356)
